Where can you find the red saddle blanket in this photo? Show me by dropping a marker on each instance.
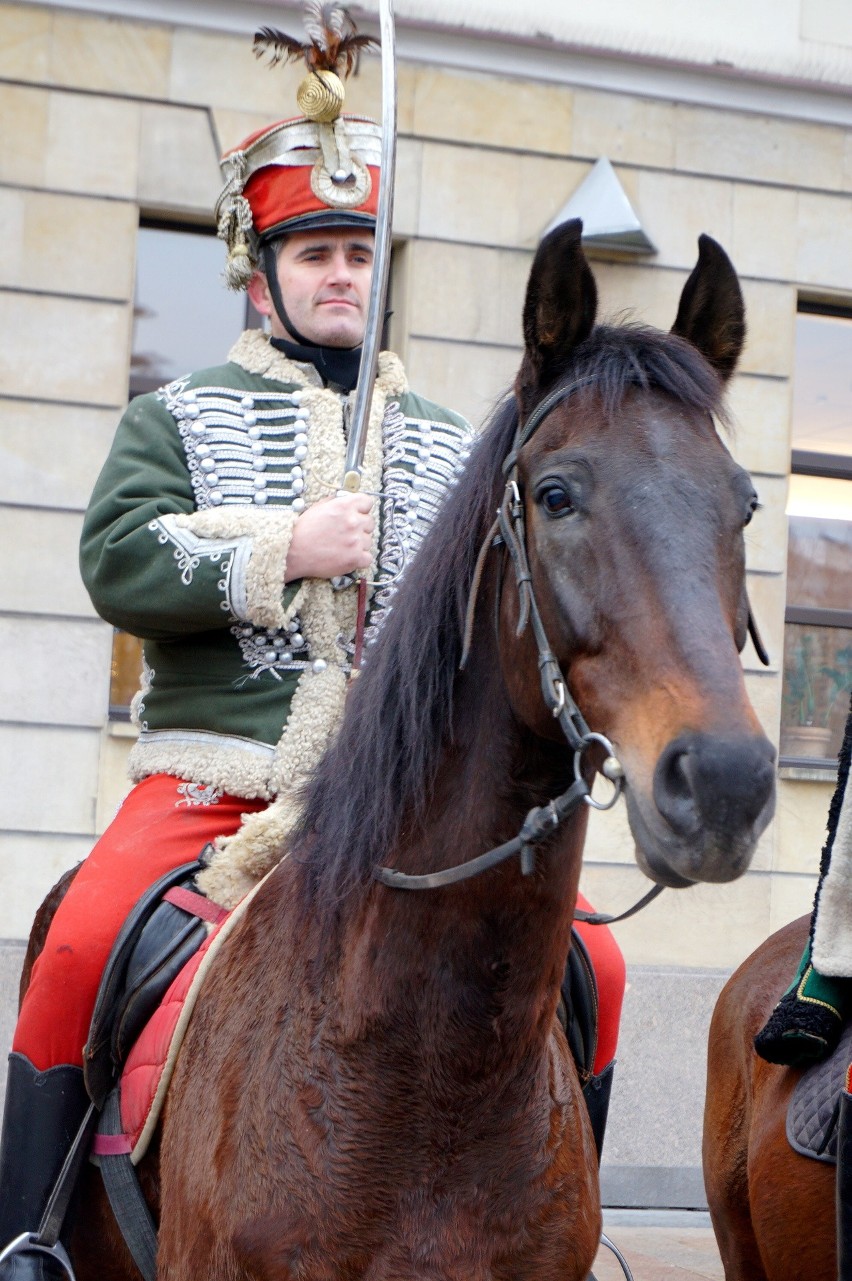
(146, 1064)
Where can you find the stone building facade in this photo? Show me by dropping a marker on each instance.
(115, 111)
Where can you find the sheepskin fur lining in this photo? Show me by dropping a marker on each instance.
(270, 531)
(254, 353)
(217, 760)
(328, 620)
(832, 945)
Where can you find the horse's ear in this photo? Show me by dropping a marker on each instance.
(559, 309)
(711, 314)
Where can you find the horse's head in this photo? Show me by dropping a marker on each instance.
(635, 513)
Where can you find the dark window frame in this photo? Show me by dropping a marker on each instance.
(120, 712)
(805, 462)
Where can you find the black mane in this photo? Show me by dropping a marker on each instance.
(384, 759)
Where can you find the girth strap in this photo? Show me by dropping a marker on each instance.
(122, 1187)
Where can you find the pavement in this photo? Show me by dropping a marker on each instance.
(660, 1245)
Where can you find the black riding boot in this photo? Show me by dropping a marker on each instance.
(43, 1114)
(596, 1093)
(843, 1192)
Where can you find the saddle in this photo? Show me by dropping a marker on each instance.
(813, 1110)
(166, 928)
(577, 1010)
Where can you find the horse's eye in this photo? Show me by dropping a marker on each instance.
(753, 506)
(556, 500)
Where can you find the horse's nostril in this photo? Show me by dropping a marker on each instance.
(725, 784)
(674, 792)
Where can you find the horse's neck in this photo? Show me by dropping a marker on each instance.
(479, 961)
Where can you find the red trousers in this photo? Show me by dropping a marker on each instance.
(162, 824)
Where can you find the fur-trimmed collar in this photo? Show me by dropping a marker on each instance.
(253, 352)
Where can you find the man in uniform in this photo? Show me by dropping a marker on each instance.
(217, 533)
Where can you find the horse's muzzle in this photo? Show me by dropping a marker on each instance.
(714, 795)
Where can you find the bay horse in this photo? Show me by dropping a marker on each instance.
(374, 1084)
(773, 1210)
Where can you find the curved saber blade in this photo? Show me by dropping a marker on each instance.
(381, 262)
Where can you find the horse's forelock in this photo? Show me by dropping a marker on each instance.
(616, 358)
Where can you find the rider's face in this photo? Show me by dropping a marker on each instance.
(324, 277)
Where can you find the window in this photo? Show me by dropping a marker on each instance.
(817, 678)
(183, 319)
(183, 315)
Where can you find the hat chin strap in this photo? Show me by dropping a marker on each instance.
(270, 267)
(337, 365)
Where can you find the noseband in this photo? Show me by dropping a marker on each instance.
(541, 821)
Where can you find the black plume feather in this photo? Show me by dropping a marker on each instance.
(333, 42)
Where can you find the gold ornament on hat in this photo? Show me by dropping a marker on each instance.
(331, 53)
(320, 96)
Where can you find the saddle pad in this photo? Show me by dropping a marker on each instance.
(812, 1113)
(151, 1063)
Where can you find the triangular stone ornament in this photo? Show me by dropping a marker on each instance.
(609, 220)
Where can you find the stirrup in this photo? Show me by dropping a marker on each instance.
(29, 1243)
(610, 1245)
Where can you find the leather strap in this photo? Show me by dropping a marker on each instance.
(539, 823)
(195, 904)
(603, 918)
(125, 1196)
(63, 1189)
(112, 1145)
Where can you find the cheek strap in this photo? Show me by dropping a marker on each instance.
(756, 639)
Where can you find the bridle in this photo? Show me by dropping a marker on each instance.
(508, 530)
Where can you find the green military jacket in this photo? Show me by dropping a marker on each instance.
(185, 541)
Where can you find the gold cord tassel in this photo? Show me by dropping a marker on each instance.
(235, 223)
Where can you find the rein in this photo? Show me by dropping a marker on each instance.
(542, 820)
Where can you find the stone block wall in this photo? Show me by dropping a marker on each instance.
(107, 117)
